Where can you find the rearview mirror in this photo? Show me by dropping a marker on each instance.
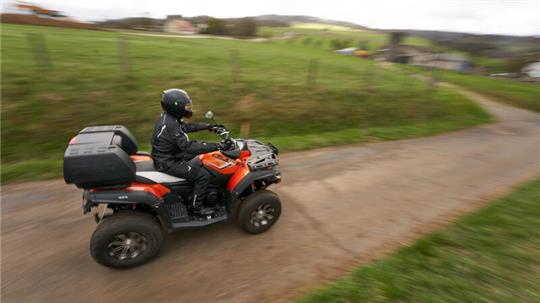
(209, 115)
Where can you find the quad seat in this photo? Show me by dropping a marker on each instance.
(147, 173)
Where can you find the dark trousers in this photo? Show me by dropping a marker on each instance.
(196, 174)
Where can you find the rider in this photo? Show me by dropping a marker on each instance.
(172, 150)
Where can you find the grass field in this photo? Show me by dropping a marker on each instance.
(492, 255)
(520, 94)
(351, 100)
(315, 35)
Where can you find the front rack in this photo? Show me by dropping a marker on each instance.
(262, 155)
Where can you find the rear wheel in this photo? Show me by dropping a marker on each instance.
(126, 239)
(259, 212)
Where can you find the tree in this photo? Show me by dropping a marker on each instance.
(339, 43)
(216, 27)
(396, 38)
(245, 27)
(363, 45)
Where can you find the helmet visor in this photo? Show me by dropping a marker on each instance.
(189, 106)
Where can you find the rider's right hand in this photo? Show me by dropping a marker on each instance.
(226, 145)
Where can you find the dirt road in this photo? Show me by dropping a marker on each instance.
(342, 206)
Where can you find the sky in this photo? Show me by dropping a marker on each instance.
(510, 17)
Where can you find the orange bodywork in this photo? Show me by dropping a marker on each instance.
(140, 158)
(157, 190)
(219, 162)
(241, 172)
(215, 160)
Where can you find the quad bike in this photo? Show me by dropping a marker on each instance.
(135, 205)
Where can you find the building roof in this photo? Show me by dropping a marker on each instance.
(348, 50)
(180, 25)
(532, 70)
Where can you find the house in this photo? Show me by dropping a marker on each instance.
(346, 51)
(353, 51)
(423, 56)
(532, 70)
(175, 24)
(444, 61)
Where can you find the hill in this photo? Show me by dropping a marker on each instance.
(514, 51)
(290, 19)
(295, 94)
(262, 20)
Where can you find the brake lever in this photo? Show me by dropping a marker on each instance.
(223, 133)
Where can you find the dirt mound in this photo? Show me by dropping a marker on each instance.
(35, 20)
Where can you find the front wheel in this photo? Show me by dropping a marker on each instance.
(259, 212)
(126, 239)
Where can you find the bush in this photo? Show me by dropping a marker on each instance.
(216, 27)
(307, 41)
(244, 27)
(340, 43)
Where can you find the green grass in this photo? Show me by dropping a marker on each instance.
(513, 92)
(524, 95)
(315, 35)
(353, 100)
(492, 255)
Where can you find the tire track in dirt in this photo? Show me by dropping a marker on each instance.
(315, 223)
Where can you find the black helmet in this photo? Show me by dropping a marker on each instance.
(177, 103)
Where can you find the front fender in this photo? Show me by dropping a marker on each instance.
(268, 176)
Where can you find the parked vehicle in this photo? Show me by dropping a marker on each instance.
(135, 205)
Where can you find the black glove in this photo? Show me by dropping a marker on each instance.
(226, 145)
(214, 127)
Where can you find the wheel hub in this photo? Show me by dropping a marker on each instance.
(262, 215)
(126, 246)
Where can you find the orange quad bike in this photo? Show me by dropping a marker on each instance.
(135, 205)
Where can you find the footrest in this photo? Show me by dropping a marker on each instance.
(199, 222)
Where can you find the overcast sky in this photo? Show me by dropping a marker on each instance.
(513, 17)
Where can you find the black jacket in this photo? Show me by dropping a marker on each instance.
(171, 144)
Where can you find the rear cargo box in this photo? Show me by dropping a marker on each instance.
(99, 156)
(124, 137)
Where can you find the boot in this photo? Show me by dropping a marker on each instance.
(198, 209)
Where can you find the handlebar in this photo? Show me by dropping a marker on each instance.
(225, 135)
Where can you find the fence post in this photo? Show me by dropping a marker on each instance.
(235, 66)
(123, 55)
(311, 78)
(432, 79)
(39, 50)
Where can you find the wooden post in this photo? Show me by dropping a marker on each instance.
(244, 108)
(123, 55)
(311, 78)
(235, 66)
(245, 128)
(432, 79)
(39, 50)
